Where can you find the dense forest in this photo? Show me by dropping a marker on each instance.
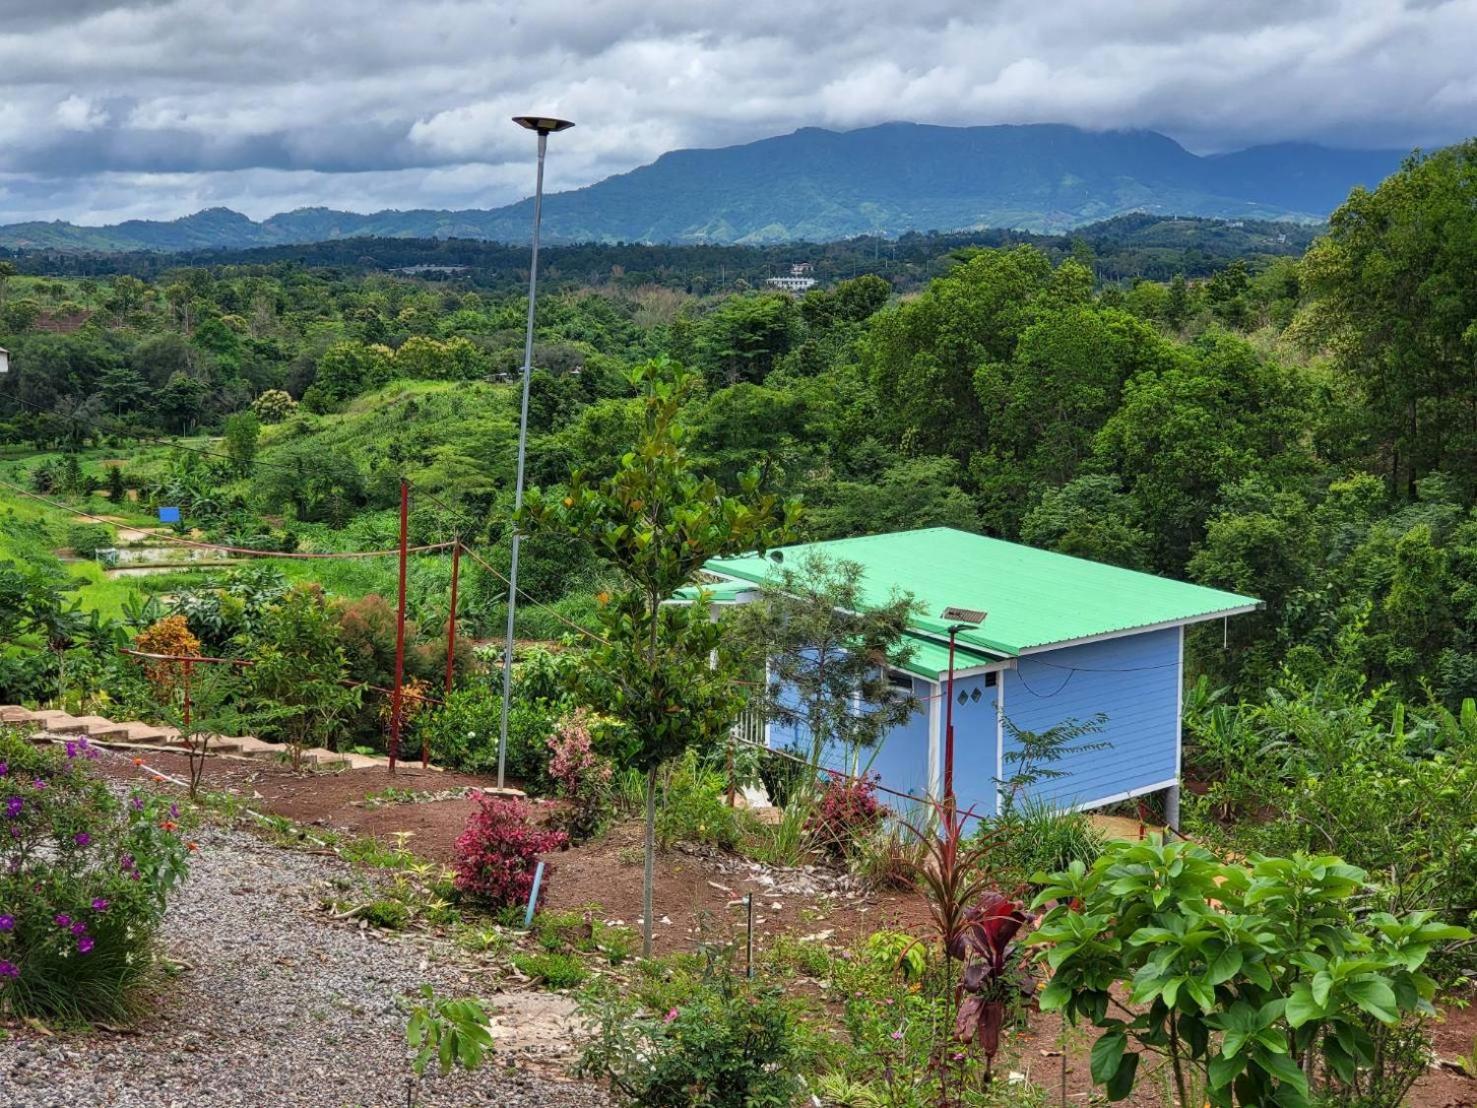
(1298, 429)
(1130, 246)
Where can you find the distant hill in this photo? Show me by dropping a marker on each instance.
(821, 185)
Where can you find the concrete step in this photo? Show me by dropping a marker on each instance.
(60, 723)
(256, 748)
(320, 757)
(104, 729)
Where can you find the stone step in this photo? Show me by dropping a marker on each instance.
(99, 728)
(59, 723)
(257, 748)
(320, 757)
(14, 713)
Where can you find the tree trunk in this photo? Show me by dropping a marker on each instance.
(648, 881)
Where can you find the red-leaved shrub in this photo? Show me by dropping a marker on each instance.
(581, 776)
(497, 852)
(848, 812)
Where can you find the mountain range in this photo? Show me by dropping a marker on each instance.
(820, 185)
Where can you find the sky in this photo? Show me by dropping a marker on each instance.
(119, 109)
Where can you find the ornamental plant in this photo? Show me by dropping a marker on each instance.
(848, 812)
(580, 775)
(1257, 982)
(84, 879)
(498, 851)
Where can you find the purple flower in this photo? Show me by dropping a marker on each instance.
(39, 783)
(100, 904)
(174, 811)
(7, 923)
(71, 750)
(84, 944)
(136, 803)
(82, 838)
(13, 806)
(9, 969)
(63, 920)
(4, 768)
(79, 928)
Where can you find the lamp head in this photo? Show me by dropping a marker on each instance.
(543, 124)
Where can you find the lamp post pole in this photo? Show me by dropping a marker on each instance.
(962, 619)
(544, 126)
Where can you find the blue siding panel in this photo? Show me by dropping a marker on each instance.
(975, 753)
(1132, 680)
(901, 758)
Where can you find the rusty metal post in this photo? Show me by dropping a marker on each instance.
(396, 696)
(189, 666)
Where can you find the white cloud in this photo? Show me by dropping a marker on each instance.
(160, 106)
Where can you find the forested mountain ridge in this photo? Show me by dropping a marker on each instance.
(821, 185)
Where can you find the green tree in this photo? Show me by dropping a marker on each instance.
(745, 336)
(655, 523)
(299, 671)
(922, 356)
(1252, 981)
(243, 430)
(1393, 297)
(828, 650)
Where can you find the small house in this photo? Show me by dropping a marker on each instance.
(1040, 639)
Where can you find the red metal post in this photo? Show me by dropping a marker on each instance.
(949, 727)
(188, 667)
(396, 701)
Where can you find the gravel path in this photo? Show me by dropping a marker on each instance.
(282, 1007)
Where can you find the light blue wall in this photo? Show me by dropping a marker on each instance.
(902, 755)
(974, 743)
(1134, 681)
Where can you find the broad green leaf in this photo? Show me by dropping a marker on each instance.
(1107, 1055)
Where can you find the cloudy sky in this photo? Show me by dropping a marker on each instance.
(113, 109)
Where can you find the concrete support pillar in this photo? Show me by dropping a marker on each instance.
(1172, 806)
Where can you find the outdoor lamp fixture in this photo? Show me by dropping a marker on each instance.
(545, 126)
(961, 619)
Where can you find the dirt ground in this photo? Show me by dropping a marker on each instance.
(699, 897)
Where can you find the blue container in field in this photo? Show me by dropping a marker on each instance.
(169, 515)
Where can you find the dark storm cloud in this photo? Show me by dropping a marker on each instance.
(112, 108)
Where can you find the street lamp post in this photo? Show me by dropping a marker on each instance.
(544, 126)
(966, 619)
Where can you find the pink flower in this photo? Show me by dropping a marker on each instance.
(670, 1016)
(898, 1034)
(84, 944)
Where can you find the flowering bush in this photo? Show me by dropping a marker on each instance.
(83, 883)
(580, 776)
(848, 812)
(497, 852)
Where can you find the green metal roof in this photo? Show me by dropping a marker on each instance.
(1034, 598)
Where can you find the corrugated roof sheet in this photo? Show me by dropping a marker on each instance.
(1034, 598)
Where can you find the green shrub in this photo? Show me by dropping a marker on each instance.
(388, 915)
(83, 883)
(463, 735)
(730, 1045)
(1035, 838)
(693, 806)
(558, 971)
(85, 539)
